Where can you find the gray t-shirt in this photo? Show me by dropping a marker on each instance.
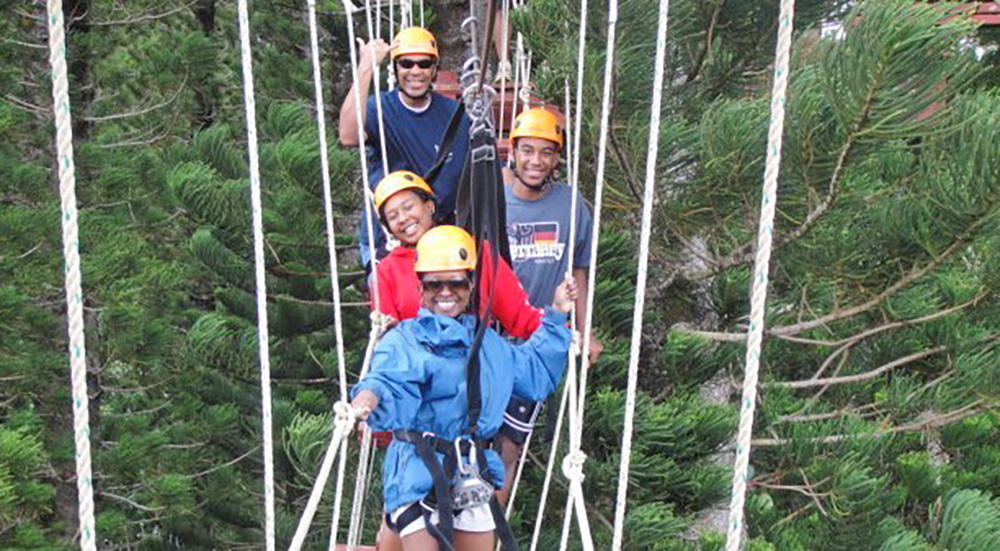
(538, 232)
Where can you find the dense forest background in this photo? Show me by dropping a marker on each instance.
(879, 421)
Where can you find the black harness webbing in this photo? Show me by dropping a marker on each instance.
(428, 446)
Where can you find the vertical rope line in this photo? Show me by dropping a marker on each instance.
(761, 267)
(261, 282)
(580, 63)
(518, 52)
(324, 473)
(422, 14)
(73, 284)
(324, 159)
(376, 71)
(391, 79)
(548, 470)
(503, 75)
(640, 294)
(366, 186)
(360, 484)
(598, 202)
(338, 496)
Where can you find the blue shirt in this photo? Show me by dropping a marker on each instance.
(411, 143)
(538, 233)
(418, 373)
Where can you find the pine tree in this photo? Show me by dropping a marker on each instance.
(886, 222)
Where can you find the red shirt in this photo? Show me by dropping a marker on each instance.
(399, 292)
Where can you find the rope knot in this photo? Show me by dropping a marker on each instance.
(344, 416)
(572, 466)
(576, 343)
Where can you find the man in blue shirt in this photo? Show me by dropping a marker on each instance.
(414, 122)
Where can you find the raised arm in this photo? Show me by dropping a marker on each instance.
(348, 127)
(510, 303)
(541, 360)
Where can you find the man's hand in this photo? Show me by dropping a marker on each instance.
(595, 349)
(364, 403)
(376, 47)
(565, 296)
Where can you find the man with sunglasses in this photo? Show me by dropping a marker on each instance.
(414, 121)
(441, 476)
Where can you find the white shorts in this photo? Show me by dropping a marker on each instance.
(477, 519)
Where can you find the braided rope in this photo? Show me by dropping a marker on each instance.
(549, 469)
(261, 282)
(761, 266)
(74, 290)
(338, 496)
(518, 54)
(360, 486)
(324, 159)
(366, 186)
(376, 70)
(640, 294)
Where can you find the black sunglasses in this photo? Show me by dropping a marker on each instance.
(454, 285)
(410, 63)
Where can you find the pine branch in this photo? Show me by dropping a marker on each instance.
(129, 114)
(223, 466)
(144, 18)
(130, 503)
(912, 276)
(809, 383)
(949, 418)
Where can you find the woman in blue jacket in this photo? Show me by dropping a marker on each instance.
(440, 478)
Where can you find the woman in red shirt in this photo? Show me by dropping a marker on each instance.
(405, 204)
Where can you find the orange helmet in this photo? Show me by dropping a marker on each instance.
(537, 123)
(414, 41)
(445, 248)
(396, 182)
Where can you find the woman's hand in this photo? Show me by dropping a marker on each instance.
(565, 296)
(364, 403)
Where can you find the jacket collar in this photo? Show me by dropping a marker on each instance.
(443, 335)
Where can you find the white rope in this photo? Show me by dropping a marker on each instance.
(366, 186)
(574, 460)
(338, 496)
(422, 14)
(504, 60)
(324, 160)
(640, 293)
(391, 79)
(518, 53)
(74, 289)
(360, 486)
(343, 423)
(761, 266)
(376, 71)
(549, 469)
(261, 282)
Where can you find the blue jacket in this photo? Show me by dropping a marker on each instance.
(418, 373)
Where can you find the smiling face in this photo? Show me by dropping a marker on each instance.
(414, 74)
(408, 216)
(535, 160)
(446, 293)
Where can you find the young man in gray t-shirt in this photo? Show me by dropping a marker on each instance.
(538, 220)
(538, 217)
